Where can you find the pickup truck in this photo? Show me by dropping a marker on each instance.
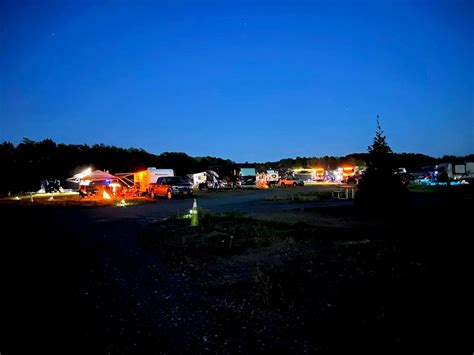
(169, 187)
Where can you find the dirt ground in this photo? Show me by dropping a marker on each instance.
(325, 279)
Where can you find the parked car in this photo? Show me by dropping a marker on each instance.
(169, 187)
(291, 181)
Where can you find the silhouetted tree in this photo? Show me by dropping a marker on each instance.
(380, 158)
(380, 184)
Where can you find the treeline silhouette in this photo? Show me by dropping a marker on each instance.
(30, 162)
(411, 161)
(24, 166)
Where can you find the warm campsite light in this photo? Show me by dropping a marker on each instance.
(299, 170)
(106, 195)
(348, 171)
(114, 186)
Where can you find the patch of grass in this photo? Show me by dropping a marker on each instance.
(454, 191)
(425, 188)
(225, 234)
(316, 275)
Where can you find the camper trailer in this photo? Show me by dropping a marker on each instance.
(455, 172)
(149, 176)
(237, 175)
(348, 174)
(205, 180)
(272, 177)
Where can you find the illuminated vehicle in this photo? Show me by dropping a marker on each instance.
(455, 172)
(140, 181)
(169, 187)
(348, 174)
(319, 174)
(144, 178)
(310, 174)
(291, 181)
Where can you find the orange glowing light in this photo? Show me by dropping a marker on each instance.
(106, 195)
(114, 187)
(348, 171)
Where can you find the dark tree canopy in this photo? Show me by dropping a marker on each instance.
(380, 145)
(25, 165)
(380, 184)
(30, 162)
(380, 159)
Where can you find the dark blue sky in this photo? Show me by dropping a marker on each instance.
(245, 80)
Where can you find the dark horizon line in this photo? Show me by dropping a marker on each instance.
(247, 161)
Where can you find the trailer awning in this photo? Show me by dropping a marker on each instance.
(96, 175)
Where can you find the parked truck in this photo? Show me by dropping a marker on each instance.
(170, 187)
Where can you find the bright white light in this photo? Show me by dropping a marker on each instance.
(84, 173)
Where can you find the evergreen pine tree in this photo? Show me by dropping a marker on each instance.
(380, 160)
(380, 184)
(380, 145)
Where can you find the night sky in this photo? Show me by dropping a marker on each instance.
(245, 80)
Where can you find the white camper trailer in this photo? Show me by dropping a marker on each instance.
(198, 179)
(272, 177)
(156, 173)
(456, 172)
(207, 179)
(149, 176)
